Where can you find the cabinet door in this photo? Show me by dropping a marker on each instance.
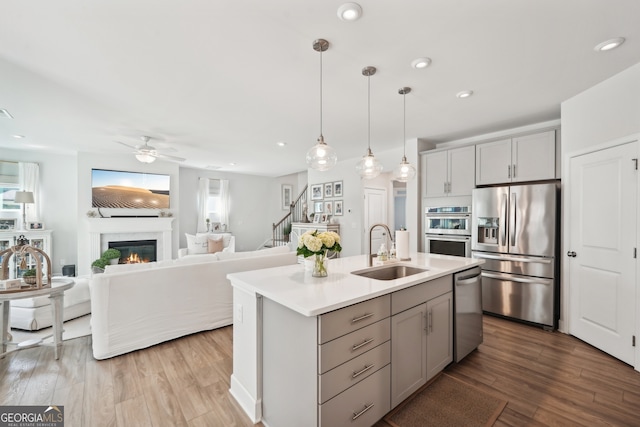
(493, 162)
(534, 157)
(436, 174)
(408, 353)
(439, 333)
(462, 165)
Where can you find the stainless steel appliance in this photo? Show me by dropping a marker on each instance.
(515, 229)
(467, 288)
(448, 230)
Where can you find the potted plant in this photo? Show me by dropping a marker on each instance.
(29, 276)
(111, 255)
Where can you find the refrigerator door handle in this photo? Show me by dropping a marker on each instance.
(503, 221)
(508, 258)
(507, 278)
(512, 218)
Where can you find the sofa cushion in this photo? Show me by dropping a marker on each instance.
(77, 294)
(214, 244)
(196, 259)
(118, 268)
(196, 244)
(262, 252)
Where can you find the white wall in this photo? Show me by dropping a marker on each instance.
(58, 203)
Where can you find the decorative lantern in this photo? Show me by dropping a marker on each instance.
(21, 250)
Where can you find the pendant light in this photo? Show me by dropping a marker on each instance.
(321, 156)
(404, 171)
(368, 167)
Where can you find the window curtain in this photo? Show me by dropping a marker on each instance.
(30, 181)
(203, 197)
(224, 203)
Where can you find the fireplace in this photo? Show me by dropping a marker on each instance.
(136, 251)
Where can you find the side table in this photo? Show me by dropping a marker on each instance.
(56, 294)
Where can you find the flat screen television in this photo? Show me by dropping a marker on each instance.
(132, 190)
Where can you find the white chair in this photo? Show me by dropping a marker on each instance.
(197, 244)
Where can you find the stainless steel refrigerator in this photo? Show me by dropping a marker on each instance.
(515, 229)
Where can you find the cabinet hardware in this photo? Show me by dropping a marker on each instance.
(362, 344)
(635, 252)
(357, 319)
(361, 371)
(356, 415)
(514, 171)
(430, 321)
(445, 186)
(633, 341)
(509, 171)
(571, 254)
(636, 163)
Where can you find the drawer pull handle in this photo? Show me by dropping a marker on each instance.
(355, 416)
(362, 371)
(357, 319)
(362, 344)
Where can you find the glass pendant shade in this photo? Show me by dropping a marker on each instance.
(404, 171)
(321, 157)
(145, 158)
(368, 167)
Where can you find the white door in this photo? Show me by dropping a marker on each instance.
(375, 212)
(602, 208)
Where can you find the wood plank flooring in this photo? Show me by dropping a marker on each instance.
(548, 378)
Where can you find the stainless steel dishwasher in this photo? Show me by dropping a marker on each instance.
(468, 305)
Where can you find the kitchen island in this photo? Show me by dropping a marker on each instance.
(291, 331)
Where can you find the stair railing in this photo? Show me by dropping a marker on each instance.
(297, 213)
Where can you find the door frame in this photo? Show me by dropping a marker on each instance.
(564, 324)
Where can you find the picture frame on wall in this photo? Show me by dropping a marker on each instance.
(324, 218)
(35, 225)
(317, 207)
(337, 189)
(7, 223)
(286, 196)
(316, 192)
(328, 190)
(317, 218)
(328, 208)
(337, 207)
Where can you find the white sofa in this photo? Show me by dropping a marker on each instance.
(32, 314)
(156, 302)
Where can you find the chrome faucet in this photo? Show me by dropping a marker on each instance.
(370, 233)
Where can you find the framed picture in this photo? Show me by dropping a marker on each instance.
(317, 218)
(337, 189)
(328, 208)
(316, 192)
(337, 207)
(324, 218)
(328, 190)
(7, 223)
(317, 207)
(287, 196)
(35, 226)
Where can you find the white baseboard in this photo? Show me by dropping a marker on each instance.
(251, 406)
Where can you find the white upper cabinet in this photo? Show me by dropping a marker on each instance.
(449, 172)
(518, 159)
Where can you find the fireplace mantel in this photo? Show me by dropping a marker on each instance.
(100, 228)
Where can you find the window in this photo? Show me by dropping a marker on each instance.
(214, 202)
(9, 184)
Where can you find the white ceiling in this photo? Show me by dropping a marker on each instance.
(221, 81)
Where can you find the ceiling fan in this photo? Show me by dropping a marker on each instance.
(146, 153)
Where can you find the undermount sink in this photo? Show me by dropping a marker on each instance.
(389, 273)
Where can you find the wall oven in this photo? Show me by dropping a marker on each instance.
(448, 230)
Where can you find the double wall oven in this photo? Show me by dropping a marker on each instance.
(448, 230)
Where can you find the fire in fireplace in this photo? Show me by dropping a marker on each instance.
(136, 251)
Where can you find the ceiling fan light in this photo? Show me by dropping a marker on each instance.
(145, 158)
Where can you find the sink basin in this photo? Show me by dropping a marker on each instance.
(389, 273)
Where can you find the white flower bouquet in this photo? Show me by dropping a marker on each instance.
(314, 243)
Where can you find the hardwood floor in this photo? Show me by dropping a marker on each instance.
(548, 378)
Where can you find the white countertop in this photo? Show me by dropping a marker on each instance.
(295, 288)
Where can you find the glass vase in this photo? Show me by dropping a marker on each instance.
(319, 265)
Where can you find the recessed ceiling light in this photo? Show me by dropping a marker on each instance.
(18, 136)
(281, 143)
(464, 94)
(609, 44)
(349, 12)
(420, 63)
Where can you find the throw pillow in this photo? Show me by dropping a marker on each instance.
(214, 245)
(196, 244)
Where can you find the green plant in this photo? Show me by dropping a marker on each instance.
(286, 230)
(100, 263)
(111, 253)
(30, 273)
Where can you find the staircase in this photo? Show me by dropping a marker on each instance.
(281, 233)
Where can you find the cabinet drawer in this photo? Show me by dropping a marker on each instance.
(410, 297)
(353, 371)
(349, 408)
(340, 322)
(347, 347)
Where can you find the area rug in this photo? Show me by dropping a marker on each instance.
(447, 401)
(74, 328)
